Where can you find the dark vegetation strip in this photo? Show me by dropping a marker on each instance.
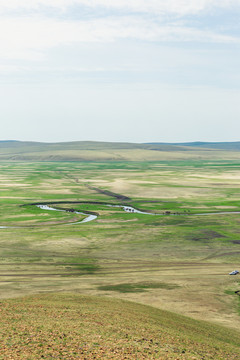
(67, 202)
(157, 201)
(109, 193)
(137, 287)
(77, 273)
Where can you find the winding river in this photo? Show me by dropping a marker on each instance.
(90, 217)
(129, 209)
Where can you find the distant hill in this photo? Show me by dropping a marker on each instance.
(209, 145)
(115, 151)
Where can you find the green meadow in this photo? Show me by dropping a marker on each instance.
(174, 260)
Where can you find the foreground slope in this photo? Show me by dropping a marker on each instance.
(69, 326)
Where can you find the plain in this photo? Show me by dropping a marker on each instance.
(175, 258)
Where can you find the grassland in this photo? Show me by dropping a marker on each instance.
(69, 326)
(176, 263)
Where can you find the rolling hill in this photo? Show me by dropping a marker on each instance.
(116, 151)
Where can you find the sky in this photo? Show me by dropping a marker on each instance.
(120, 70)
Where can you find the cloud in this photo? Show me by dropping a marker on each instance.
(29, 28)
(28, 38)
(181, 7)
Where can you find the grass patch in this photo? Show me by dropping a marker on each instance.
(82, 264)
(205, 235)
(137, 287)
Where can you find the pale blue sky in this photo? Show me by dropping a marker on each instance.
(126, 70)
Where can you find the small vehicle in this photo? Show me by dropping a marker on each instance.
(234, 272)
